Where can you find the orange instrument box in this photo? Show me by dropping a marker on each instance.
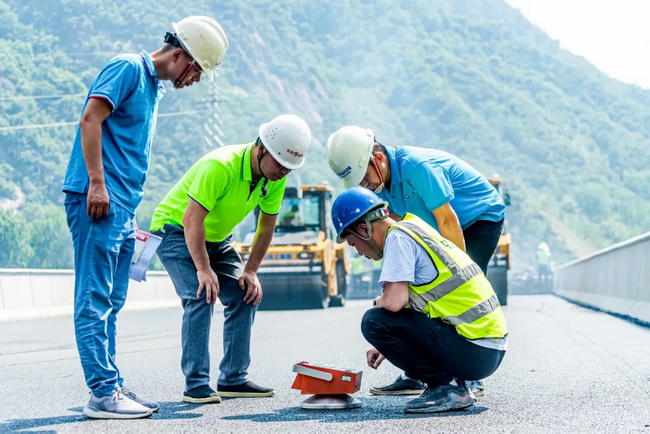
(320, 379)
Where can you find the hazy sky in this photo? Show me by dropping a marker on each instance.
(614, 35)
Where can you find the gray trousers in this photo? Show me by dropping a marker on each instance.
(197, 316)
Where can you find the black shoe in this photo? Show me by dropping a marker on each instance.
(401, 386)
(441, 398)
(201, 395)
(246, 390)
(476, 387)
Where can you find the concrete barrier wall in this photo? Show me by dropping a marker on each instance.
(616, 279)
(30, 294)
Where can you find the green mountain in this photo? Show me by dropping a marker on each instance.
(472, 77)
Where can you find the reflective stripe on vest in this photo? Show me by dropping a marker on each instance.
(478, 311)
(464, 274)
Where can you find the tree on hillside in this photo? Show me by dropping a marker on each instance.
(14, 239)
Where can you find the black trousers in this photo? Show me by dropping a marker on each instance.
(481, 239)
(427, 349)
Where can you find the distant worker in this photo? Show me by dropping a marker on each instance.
(376, 273)
(104, 185)
(358, 272)
(292, 217)
(438, 318)
(195, 220)
(440, 188)
(543, 265)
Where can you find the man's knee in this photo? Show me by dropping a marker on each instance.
(231, 294)
(375, 322)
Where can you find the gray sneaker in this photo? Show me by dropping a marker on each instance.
(441, 398)
(115, 406)
(152, 405)
(476, 387)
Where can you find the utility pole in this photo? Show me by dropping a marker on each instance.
(212, 131)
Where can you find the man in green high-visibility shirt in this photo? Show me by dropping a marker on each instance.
(196, 220)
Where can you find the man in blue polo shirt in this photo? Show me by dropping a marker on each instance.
(104, 185)
(440, 188)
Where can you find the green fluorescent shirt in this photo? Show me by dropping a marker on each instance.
(220, 182)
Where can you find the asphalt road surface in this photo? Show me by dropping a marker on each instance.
(568, 369)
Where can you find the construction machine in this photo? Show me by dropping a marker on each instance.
(500, 262)
(304, 267)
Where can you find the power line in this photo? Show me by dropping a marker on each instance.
(13, 98)
(63, 124)
(29, 127)
(189, 112)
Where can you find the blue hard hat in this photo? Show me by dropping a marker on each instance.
(352, 205)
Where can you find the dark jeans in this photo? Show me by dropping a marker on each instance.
(197, 316)
(427, 349)
(481, 239)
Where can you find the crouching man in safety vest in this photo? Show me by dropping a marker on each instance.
(196, 220)
(438, 318)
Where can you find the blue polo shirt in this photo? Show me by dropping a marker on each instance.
(422, 180)
(129, 84)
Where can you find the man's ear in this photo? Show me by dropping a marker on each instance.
(362, 229)
(177, 54)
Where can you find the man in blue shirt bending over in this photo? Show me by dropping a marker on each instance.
(104, 185)
(440, 188)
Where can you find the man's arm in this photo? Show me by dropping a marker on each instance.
(193, 224)
(395, 296)
(449, 225)
(263, 237)
(96, 112)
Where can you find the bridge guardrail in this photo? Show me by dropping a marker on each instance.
(615, 279)
(30, 293)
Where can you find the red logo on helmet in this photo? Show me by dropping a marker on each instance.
(294, 153)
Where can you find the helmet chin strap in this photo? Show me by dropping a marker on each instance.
(369, 239)
(259, 164)
(380, 187)
(183, 75)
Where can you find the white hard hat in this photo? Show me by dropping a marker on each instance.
(348, 152)
(287, 138)
(204, 40)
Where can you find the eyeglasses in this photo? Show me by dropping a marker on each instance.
(195, 65)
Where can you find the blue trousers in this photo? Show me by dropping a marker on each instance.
(197, 315)
(103, 249)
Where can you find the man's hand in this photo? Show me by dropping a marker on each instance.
(449, 225)
(249, 283)
(374, 358)
(208, 280)
(98, 201)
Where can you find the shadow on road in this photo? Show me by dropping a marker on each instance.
(368, 411)
(168, 411)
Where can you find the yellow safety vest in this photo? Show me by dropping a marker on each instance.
(461, 294)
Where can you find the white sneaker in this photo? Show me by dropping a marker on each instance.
(115, 406)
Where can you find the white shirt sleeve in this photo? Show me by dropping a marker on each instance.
(405, 261)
